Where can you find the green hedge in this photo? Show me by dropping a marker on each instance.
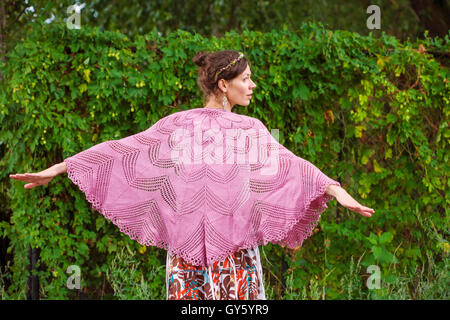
(370, 113)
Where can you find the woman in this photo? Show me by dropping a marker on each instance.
(212, 220)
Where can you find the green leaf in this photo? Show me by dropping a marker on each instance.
(389, 278)
(301, 90)
(386, 237)
(412, 253)
(82, 87)
(100, 222)
(373, 239)
(377, 252)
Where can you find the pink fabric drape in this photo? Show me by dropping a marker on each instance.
(202, 184)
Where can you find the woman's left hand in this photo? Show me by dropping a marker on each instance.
(347, 201)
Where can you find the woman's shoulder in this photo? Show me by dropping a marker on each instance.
(225, 118)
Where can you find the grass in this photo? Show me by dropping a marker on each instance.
(127, 281)
(431, 281)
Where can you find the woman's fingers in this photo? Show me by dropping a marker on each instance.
(16, 176)
(367, 211)
(24, 176)
(35, 179)
(20, 177)
(367, 214)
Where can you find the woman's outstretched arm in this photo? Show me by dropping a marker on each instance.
(347, 201)
(40, 178)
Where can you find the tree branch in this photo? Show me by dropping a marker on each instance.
(17, 18)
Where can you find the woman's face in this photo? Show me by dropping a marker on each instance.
(240, 89)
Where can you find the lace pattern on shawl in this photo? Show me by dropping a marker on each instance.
(202, 213)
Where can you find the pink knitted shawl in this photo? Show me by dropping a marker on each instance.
(202, 184)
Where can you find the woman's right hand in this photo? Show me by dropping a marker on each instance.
(36, 179)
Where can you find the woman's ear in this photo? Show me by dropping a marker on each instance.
(222, 84)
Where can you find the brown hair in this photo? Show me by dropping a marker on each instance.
(210, 63)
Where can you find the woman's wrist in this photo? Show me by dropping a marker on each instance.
(333, 190)
(60, 168)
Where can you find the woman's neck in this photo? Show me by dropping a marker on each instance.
(215, 106)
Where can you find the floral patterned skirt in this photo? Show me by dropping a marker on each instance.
(238, 276)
